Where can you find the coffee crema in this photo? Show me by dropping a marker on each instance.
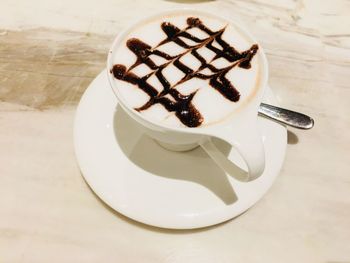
(177, 96)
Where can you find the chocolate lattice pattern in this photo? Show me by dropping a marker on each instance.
(182, 104)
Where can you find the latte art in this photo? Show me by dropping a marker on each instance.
(205, 60)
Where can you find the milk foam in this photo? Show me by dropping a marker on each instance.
(212, 105)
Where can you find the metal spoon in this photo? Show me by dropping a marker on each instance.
(288, 117)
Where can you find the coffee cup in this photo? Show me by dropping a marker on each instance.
(209, 76)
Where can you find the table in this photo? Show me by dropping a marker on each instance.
(51, 50)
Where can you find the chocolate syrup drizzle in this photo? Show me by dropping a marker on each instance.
(182, 106)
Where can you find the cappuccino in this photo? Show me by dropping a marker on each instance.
(184, 70)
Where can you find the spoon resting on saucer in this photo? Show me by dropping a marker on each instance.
(291, 118)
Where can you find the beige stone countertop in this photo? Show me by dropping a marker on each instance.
(49, 53)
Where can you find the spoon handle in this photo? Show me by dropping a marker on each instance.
(288, 117)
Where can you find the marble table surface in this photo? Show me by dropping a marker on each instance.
(51, 50)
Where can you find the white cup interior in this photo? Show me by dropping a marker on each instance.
(121, 36)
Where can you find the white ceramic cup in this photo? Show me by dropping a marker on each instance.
(240, 129)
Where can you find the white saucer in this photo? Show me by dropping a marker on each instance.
(138, 178)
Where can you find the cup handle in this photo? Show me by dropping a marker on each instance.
(247, 140)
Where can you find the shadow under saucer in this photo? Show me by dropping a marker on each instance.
(194, 166)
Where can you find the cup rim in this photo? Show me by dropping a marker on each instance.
(137, 115)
